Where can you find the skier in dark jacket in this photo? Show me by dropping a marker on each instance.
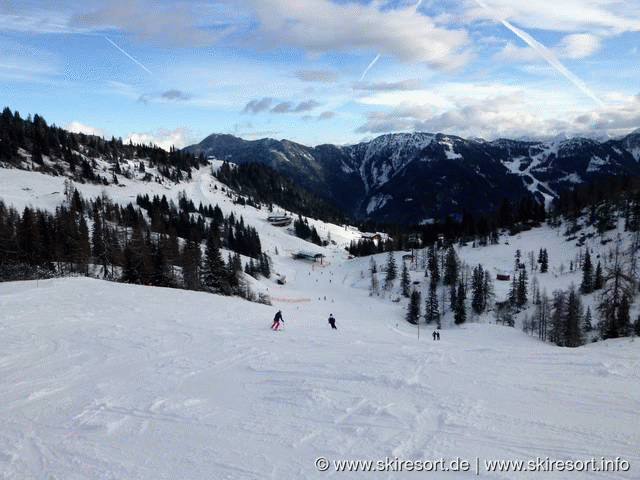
(332, 321)
(276, 320)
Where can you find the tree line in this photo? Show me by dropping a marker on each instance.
(74, 154)
(153, 243)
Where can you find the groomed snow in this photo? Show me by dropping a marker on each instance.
(106, 380)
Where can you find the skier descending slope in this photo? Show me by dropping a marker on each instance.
(276, 320)
(332, 321)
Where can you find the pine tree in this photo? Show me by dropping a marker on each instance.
(478, 295)
(451, 267)
(191, 257)
(392, 272)
(556, 333)
(405, 281)
(432, 312)
(543, 260)
(598, 280)
(413, 310)
(521, 291)
(215, 277)
(432, 264)
(587, 275)
(573, 328)
(460, 315)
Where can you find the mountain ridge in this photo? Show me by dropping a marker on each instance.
(416, 177)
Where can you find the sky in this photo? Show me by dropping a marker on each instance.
(323, 71)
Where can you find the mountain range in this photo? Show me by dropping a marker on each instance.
(413, 178)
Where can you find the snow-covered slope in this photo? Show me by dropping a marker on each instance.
(106, 380)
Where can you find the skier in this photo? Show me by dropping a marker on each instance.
(332, 321)
(276, 320)
(435, 334)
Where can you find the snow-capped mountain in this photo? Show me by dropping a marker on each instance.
(433, 174)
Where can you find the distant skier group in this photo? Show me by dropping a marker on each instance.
(436, 335)
(278, 319)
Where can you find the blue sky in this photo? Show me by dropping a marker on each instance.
(323, 71)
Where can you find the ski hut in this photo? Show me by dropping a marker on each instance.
(279, 220)
(309, 256)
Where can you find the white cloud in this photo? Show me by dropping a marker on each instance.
(163, 138)
(602, 17)
(579, 45)
(513, 115)
(574, 46)
(322, 26)
(175, 25)
(78, 127)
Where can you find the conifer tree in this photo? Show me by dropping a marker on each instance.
(521, 291)
(432, 312)
(573, 327)
(478, 295)
(587, 275)
(432, 264)
(543, 260)
(405, 281)
(460, 315)
(556, 331)
(413, 310)
(214, 273)
(598, 280)
(392, 272)
(450, 267)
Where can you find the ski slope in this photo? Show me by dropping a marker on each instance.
(105, 380)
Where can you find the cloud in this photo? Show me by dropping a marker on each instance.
(175, 95)
(600, 17)
(579, 45)
(322, 26)
(574, 46)
(257, 106)
(306, 106)
(163, 138)
(283, 107)
(77, 127)
(264, 104)
(319, 76)
(326, 115)
(174, 26)
(404, 85)
(513, 115)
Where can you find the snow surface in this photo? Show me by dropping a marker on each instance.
(106, 380)
(103, 380)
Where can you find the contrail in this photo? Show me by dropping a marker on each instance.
(549, 57)
(129, 56)
(369, 67)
